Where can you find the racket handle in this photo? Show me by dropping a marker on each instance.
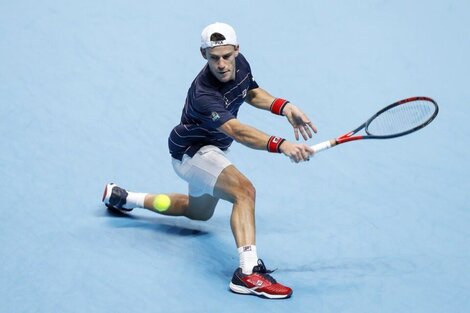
(323, 145)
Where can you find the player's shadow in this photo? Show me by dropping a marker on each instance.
(170, 226)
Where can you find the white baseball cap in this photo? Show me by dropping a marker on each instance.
(224, 29)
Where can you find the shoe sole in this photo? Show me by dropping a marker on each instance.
(105, 192)
(246, 291)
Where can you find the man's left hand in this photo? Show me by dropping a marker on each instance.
(299, 121)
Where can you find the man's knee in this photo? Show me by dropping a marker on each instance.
(233, 186)
(246, 191)
(201, 208)
(203, 215)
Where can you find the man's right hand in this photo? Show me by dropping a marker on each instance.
(296, 152)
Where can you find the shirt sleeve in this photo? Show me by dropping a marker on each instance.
(253, 83)
(246, 65)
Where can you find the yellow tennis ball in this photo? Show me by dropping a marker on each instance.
(161, 203)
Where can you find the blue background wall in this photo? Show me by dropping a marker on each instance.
(89, 91)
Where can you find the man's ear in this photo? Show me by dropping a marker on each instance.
(203, 53)
(237, 50)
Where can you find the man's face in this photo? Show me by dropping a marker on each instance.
(221, 61)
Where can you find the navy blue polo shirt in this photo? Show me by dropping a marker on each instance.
(209, 104)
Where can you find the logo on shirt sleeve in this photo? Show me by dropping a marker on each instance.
(245, 91)
(214, 116)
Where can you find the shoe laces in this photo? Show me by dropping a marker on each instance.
(261, 269)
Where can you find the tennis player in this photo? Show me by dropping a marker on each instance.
(198, 147)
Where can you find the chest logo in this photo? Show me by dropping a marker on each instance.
(214, 116)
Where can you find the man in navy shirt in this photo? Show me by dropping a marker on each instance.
(198, 148)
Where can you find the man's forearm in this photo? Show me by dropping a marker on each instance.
(245, 134)
(260, 98)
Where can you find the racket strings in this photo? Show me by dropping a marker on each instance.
(401, 118)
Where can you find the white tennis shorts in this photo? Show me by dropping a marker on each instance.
(202, 170)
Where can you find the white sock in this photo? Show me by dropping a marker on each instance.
(248, 258)
(135, 200)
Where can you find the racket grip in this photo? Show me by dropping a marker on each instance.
(323, 145)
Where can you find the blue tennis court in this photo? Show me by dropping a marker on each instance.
(89, 91)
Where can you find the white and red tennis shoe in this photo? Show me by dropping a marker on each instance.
(259, 283)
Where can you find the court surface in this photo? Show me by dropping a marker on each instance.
(89, 91)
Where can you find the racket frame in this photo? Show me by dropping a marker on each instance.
(350, 135)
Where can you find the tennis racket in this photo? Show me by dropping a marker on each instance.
(398, 119)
